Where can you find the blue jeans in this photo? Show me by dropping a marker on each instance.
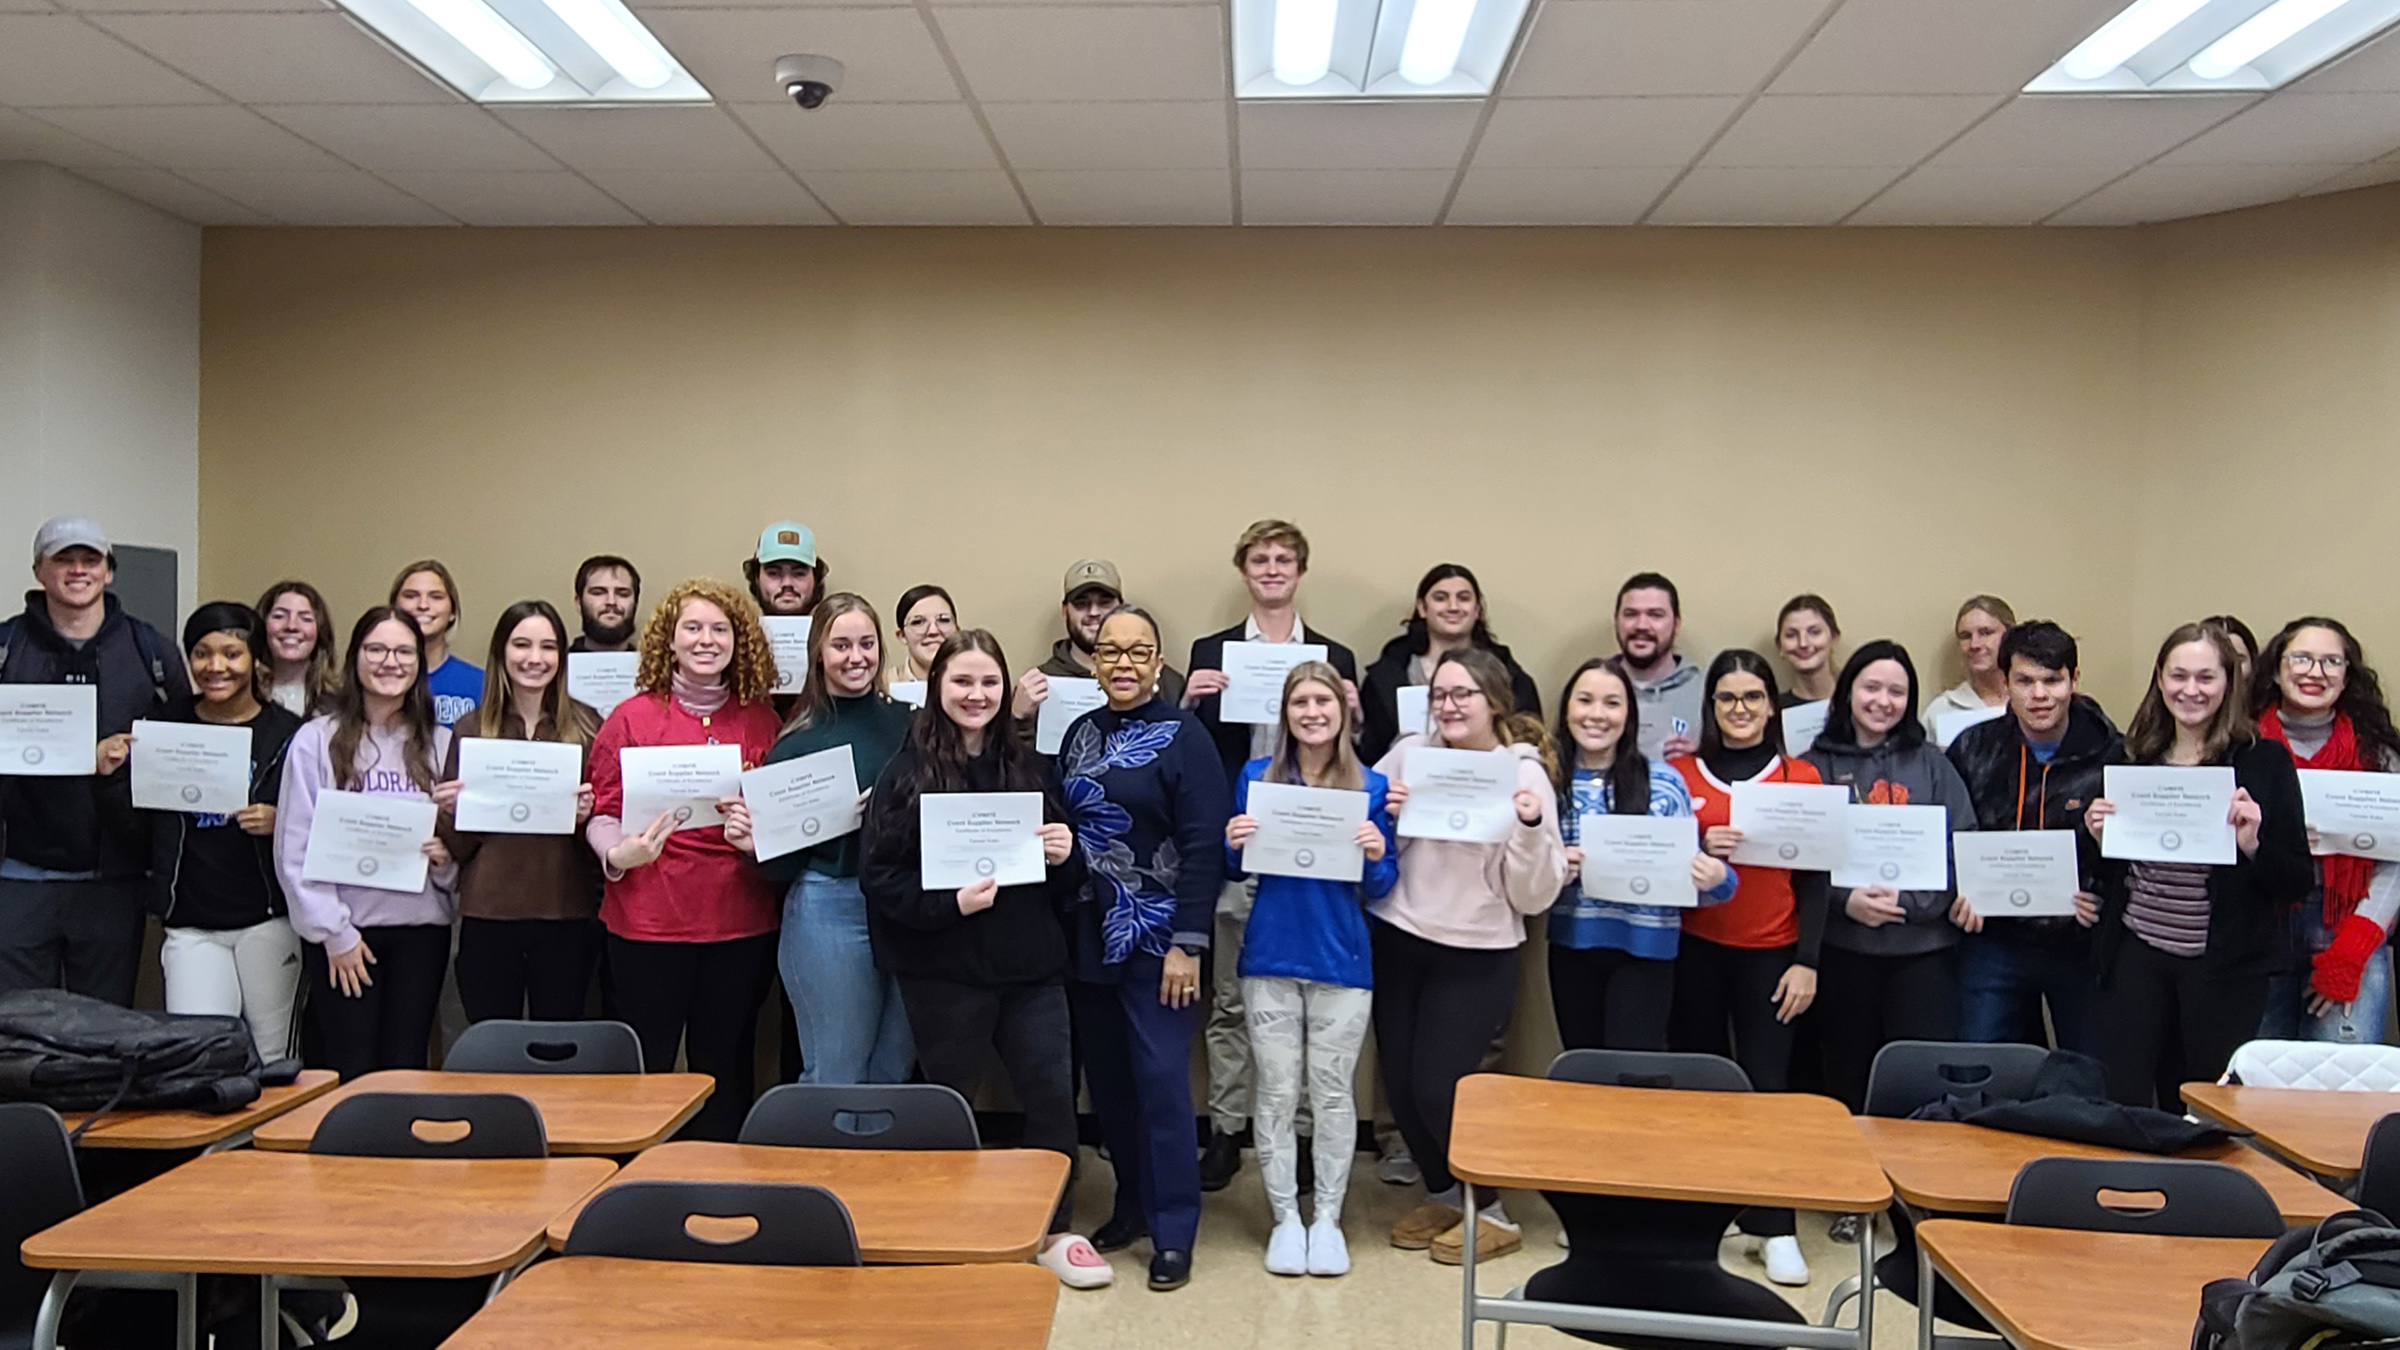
(2359, 1022)
(853, 1028)
(2001, 985)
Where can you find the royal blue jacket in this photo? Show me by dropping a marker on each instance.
(1307, 928)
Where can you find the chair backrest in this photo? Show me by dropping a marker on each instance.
(2200, 1199)
(1650, 1069)
(37, 1174)
(2379, 1177)
(1910, 1074)
(883, 1115)
(424, 1125)
(2316, 1064)
(546, 1047)
(786, 1225)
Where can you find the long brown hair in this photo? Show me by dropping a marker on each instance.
(324, 674)
(2152, 732)
(1629, 772)
(572, 722)
(940, 750)
(815, 699)
(1513, 727)
(753, 674)
(2362, 691)
(1283, 766)
(349, 709)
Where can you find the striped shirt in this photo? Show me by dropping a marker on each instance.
(2167, 906)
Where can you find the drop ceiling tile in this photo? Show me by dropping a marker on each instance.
(1950, 195)
(1185, 135)
(1601, 47)
(1279, 135)
(58, 61)
(888, 136)
(2169, 192)
(176, 196)
(2049, 131)
(278, 58)
(2364, 176)
(1496, 196)
(311, 197)
(1711, 196)
(1131, 196)
(1046, 53)
(689, 139)
(2301, 129)
(193, 6)
(2371, 68)
(1343, 196)
(887, 54)
(1844, 130)
(411, 136)
(1600, 133)
(1940, 46)
(667, 197)
(25, 137)
(931, 198)
(215, 136)
(480, 198)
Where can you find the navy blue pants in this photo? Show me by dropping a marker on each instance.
(1137, 1060)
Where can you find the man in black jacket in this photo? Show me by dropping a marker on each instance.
(74, 854)
(1272, 556)
(2035, 769)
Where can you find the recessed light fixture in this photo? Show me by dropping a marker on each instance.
(1372, 49)
(533, 51)
(2213, 46)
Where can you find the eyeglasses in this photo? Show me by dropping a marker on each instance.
(922, 624)
(1753, 699)
(1451, 698)
(1124, 656)
(2301, 663)
(375, 655)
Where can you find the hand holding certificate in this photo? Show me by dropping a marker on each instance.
(1463, 795)
(1070, 697)
(49, 730)
(361, 839)
(1640, 860)
(787, 637)
(2017, 874)
(2168, 814)
(977, 836)
(1305, 832)
(517, 787)
(602, 679)
(1802, 826)
(1254, 674)
(681, 782)
(799, 803)
(191, 766)
(2353, 813)
(1899, 848)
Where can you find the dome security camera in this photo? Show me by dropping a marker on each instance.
(808, 80)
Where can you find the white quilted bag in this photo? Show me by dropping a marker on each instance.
(2329, 1065)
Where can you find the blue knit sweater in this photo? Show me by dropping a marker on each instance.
(1149, 799)
(1652, 932)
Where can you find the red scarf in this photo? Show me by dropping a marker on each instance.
(2345, 877)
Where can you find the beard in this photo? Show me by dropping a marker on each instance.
(607, 634)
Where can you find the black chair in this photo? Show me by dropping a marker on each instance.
(880, 1115)
(1907, 1075)
(546, 1047)
(1650, 1069)
(2201, 1199)
(2379, 1177)
(793, 1225)
(37, 1174)
(384, 1125)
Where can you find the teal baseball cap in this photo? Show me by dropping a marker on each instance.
(787, 541)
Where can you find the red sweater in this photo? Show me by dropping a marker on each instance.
(701, 889)
(1762, 913)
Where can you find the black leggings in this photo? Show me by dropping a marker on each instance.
(703, 996)
(958, 1026)
(1437, 1009)
(2149, 1001)
(390, 1024)
(1725, 1005)
(1610, 1000)
(537, 968)
(1866, 1002)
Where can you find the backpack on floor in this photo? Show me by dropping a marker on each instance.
(2336, 1285)
(74, 1053)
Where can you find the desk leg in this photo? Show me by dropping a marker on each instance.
(54, 1308)
(270, 1313)
(1866, 1282)
(187, 1312)
(1926, 1292)
(1466, 1265)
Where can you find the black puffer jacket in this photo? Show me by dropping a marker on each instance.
(1379, 694)
(2015, 791)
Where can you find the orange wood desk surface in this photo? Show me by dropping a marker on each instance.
(1951, 1168)
(914, 1207)
(249, 1212)
(613, 1114)
(1747, 1148)
(2325, 1132)
(583, 1301)
(2060, 1289)
(199, 1129)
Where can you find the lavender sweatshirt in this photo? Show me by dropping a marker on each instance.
(330, 914)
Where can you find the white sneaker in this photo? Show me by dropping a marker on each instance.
(1072, 1258)
(1785, 1264)
(1287, 1248)
(1397, 1168)
(1328, 1250)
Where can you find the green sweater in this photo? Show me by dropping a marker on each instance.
(873, 727)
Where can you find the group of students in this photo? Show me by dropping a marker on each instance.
(1144, 933)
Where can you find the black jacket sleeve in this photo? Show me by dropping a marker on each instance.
(1812, 902)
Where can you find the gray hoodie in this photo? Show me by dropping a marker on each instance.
(1888, 775)
(1672, 697)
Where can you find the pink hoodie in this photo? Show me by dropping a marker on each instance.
(1477, 895)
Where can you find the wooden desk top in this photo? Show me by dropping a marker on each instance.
(1952, 1168)
(923, 1207)
(199, 1129)
(2060, 1289)
(612, 1114)
(2325, 1132)
(1744, 1148)
(581, 1301)
(246, 1212)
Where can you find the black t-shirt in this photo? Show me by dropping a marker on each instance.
(222, 878)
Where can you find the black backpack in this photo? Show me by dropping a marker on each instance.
(74, 1053)
(2336, 1284)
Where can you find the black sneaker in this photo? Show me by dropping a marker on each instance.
(1219, 1161)
(1170, 1270)
(1116, 1235)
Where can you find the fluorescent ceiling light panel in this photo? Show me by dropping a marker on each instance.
(532, 51)
(2214, 46)
(1372, 49)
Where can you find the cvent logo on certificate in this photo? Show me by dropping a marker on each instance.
(1305, 832)
(969, 836)
(1467, 796)
(1797, 826)
(2169, 813)
(370, 840)
(1254, 674)
(49, 730)
(2352, 812)
(191, 766)
(787, 637)
(684, 782)
(602, 679)
(800, 803)
(517, 787)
